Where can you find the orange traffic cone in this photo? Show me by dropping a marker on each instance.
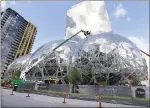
(100, 103)
(28, 93)
(12, 91)
(64, 99)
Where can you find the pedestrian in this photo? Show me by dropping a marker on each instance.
(73, 87)
(77, 88)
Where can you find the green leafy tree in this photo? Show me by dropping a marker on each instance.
(104, 83)
(74, 76)
(85, 79)
(135, 81)
(16, 75)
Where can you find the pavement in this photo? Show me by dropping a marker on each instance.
(20, 100)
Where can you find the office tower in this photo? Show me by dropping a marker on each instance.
(17, 37)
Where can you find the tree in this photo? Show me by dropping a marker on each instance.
(135, 81)
(75, 76)
(16, 75)
(85, 79)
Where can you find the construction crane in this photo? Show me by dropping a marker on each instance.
(145, 53)
(86, 33)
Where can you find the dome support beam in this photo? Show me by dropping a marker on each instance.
(86, 33)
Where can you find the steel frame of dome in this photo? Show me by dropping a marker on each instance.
(54, 64)
(51, 54)
(126, 59)
(98, 55)
(109, 53)
(18, 64)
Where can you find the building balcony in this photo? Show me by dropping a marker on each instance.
(14, 47)
(17, 42)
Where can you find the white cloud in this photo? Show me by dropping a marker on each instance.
(3, 4)
(120, 11)
(29, 1)
(142, 44)
(12, 2)
(93, 17)
(128, 19)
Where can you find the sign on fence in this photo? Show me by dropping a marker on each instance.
(140, 93)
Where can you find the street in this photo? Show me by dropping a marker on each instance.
(20, 100)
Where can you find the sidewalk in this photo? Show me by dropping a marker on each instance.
(20, 100)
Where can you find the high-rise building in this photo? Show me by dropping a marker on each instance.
(17, 37)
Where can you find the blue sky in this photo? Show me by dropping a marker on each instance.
(130, 19)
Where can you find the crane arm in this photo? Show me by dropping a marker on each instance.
(145, 53)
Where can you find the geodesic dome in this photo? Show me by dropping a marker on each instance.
(106, 57)
(49, 63)
(18, 64)
(109, 57)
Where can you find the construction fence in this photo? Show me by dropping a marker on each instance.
(135, 95)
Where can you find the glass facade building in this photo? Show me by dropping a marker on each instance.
(105, 58)
(17, 37)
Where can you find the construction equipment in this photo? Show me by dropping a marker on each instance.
(86, 33)
(145, 53)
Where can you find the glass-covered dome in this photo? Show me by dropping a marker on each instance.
(109, 57)
(47, 49)
(43, 63)
(18, 64)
